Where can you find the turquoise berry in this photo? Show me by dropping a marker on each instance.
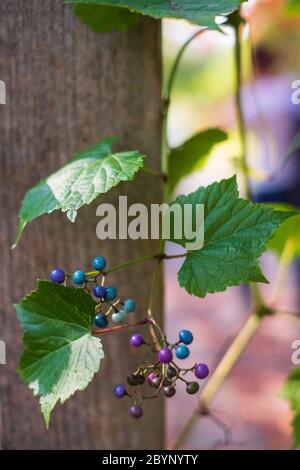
(129, 305)
(118, 317)
(99, 263)
(101, 320)
(111, 293)
(182, 352)
(186, 336)
(78, 277)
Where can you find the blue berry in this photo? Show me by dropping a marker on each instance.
(57, 275)
(186, 336)
(120, 391)
(129, 305)
(111, 293)
(99, 263)
(78, 277)
(182, 352)
(118, 317)
(101, 320)
(99, 292)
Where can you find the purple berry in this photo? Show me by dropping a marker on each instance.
(201, 371)
(136, 340)
(136, 411)
(57, 275)
(151, 377)
(119, 391)
(165, 355)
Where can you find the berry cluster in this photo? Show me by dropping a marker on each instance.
(106, 296)
(163, 375)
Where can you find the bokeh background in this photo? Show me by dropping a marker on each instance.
(248, 412)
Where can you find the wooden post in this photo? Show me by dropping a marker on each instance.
(66, 88)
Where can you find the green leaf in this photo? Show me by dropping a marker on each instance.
(288, 231)
(61, 356)
(292, 7)
(105, 18)
(236, 232)
(89, 174)
(192, 154)
(291, 391)
(199, 12)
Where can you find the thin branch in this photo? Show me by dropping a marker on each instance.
(100, 331)
(158, 256)
(165, 148)
(238, 104)
(156, 173)
(153, 325)
(220, 374)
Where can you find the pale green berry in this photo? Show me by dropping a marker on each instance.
(118, 317)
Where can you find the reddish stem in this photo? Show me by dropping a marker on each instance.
(121, 327)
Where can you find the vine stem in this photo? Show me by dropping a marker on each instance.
(284, 264)
(165, 148)
(132, 262)
(100, 331)
(154, 328)
(153, 172)
(220, 374)
(259, 310)
(235, 350)
(239, 110)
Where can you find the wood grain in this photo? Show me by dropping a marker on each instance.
(67, 87)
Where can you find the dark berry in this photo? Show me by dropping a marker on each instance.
(186, 336)
(136, 411)
(101, 320)
(57, 275)
(151, 377)
(171, 372)
(111, 293)
(165, 355)
(78, 277)
(169, 391)
(192, 388)
(201, 371)
(99, 263)
(136, 340)
(167, 382)
(182, 352)
(135, 380)
(156, 382)
(129, 305)
(118, 317)
(99, 292)
(120, 391)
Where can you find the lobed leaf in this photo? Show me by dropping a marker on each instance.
(236, 232)
(104, 19)
(196, 11)
(89, 174)
(61, 356)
